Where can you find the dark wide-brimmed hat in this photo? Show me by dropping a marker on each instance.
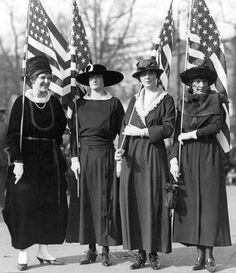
(198, 72)
(37, 65)
(147, 65)
(110, 77)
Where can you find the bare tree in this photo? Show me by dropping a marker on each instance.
(11, 56)
(109, 24)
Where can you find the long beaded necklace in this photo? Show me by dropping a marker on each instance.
(33, 117)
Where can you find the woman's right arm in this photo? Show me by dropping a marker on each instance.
(13, 133)
(73, 135)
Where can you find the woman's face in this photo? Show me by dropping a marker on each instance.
(148, 79)
(200, 86)
(41, 84)
(96, 82)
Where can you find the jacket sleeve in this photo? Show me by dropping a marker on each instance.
(119, 116)
(164, 130)
(213, 128)
(60, 122)
(73, 135)
(216, 121)
(13, 133)
(124, 140)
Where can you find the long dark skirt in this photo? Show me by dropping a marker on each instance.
(94, 217)
(33, 210)
(201, 217)
(145, 220)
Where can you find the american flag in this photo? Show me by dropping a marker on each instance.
(205, 46)
(162, 48)
(43, 38)
(80, 54)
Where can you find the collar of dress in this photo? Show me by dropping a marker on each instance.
(143, 111)
(29, 95)
(106, 97)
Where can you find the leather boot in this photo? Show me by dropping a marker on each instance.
(91, 255)
(200, 261)
(210, 261)
(105, 257)
(140, 260)
(154, 260)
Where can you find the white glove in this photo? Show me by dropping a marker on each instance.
(118, 157)
(131, 130)
(118, 168)
(75, 166)
(119, 154)
(18, 170)
(174, 168)
(185, 136)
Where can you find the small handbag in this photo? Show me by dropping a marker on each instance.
(171, 195)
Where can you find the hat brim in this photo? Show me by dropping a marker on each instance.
(109, 77)
(136, 75)
(193, 73)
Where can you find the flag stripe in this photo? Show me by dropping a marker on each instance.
(163, 45)
(205, 46)
(44, 39)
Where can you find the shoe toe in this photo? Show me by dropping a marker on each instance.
(22, 267)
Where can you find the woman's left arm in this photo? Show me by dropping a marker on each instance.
(164, 130)
(119, 116)
(61, 122)
(213, 128)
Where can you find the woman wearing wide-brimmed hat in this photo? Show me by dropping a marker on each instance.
(35, 209)
(94, 216)
(149, 119)
(201, 216)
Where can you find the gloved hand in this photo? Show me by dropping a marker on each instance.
(75, 166)
(119, 154)
(131, 130)
(18, 170)
(118, 168)
(118, 157)
(185, 136)
(174, 168)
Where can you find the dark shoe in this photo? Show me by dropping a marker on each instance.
(140, 261)
(211, 265)
(53, 262)
(105, 259)
(22, 267)
(89, 258)
(155, 263)
(199, 264)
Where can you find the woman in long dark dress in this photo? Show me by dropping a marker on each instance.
(145, 220)
(95, 217)
(35, 209)
(201, 217)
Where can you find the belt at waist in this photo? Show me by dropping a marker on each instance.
(86, 142)
(39, 138)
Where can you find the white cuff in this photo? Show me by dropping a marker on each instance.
(18, 163)
(174, 161)
(194, 134)
(74, 159)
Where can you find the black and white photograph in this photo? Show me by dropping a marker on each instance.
(117, 136)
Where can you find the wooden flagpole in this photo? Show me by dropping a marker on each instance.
(25, 57)
(183, 85)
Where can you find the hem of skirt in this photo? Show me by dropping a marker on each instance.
(24, 246)
(203, 244)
